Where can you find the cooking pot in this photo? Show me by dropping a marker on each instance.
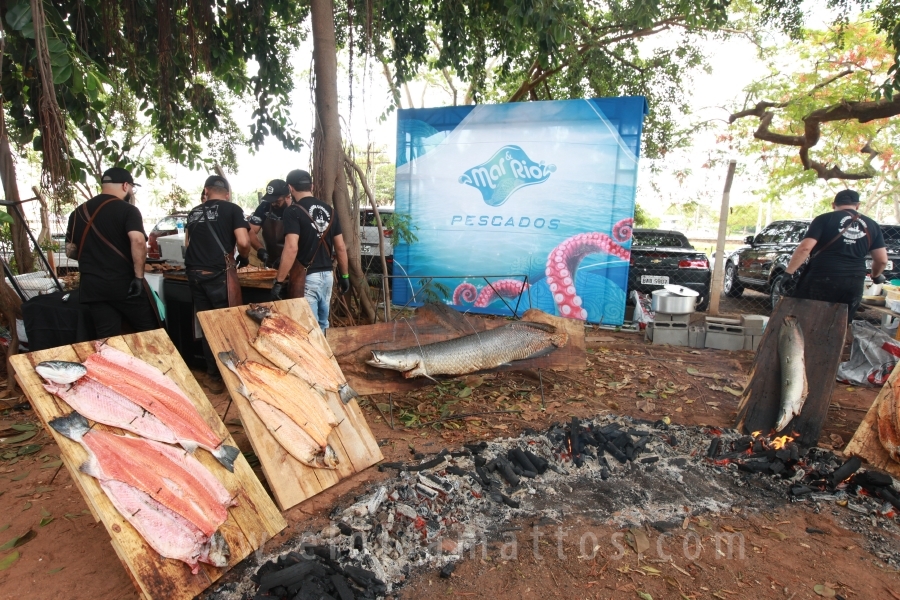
(674, 300)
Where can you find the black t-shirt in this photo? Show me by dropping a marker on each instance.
(296, 221)
(846, 256)
(203, 252)
(106, 273)
(266, 210)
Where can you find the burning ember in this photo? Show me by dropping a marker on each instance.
(780, 442)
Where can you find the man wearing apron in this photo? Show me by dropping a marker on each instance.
(267, 218)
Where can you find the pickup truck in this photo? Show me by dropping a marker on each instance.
(660, 257)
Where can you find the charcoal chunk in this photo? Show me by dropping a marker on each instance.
(345, 529)
(341, 587)
(447, 570)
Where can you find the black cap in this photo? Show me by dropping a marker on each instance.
(217, 181)
(298, 177)
(118, 175)
(276, 189)
(846, 197)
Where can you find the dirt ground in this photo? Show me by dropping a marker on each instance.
(70, 556)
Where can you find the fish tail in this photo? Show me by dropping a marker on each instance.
(226, 455)
(73, 426)
(229, 359)
(347, 393)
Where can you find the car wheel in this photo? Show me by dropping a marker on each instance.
(775, 289)
(730, 286)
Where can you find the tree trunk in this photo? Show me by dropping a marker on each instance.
(328, 157)
(21, 244)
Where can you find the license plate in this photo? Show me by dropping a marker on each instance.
(889, 267)
(654, 280)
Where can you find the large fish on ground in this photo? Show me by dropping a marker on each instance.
(169, 475)
(167, 532)
(104, 405)
(284, 342)
(475, 352)
(888, 421)
(149, 388)
(794, 387)
(279, 390)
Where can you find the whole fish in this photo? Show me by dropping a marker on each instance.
(888, 422)
(99, 403)
(167, 532)
(60, 371)
(292, 397)
(793, 371)
(170, 476)
(149, 388)
(475, 352)
(287, 345)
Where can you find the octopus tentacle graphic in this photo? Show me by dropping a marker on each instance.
(506, 288)
(564, 260)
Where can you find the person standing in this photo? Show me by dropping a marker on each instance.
(106, 236)
(268, 218)
(837, 244)
(213, 229)
(312, 238)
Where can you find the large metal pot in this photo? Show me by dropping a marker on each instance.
(668, 302)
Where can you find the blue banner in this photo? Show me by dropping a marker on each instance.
(520, 205)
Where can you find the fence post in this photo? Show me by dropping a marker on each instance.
(718, 270)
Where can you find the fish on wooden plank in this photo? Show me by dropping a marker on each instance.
(149, 388)
(60, 372)
(794, 388)
(475, 352)
(286, 344)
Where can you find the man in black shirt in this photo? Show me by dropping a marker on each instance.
(213, 229)
(839, 242)
(267, 217)
(111, 256)
(313, 238)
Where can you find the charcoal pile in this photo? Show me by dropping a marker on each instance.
(314, 575)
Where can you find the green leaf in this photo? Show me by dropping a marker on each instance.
(21, 476)
(44, 512)
(29, 449)
(824, 591)
(46, 521)
(53, 465)
(62, 74)
(22, 426)
(644, 596)
(7, 561)
(19, 541)
(465, 392)
(4, 527)
(55, 570)
(26, 507)
(19, 15)
(55, 45)
(28, 434)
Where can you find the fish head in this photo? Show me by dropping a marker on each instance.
(330, 458)
(219, 552)
(60, 371)
(790, 321)
(258, 312)
(393, 360)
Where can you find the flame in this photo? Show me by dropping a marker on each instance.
(756, 434)
(780, 442)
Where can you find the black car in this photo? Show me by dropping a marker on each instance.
(660, 257)
(760, 266)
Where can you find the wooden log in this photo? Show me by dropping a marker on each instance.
(436, 323)
(865, 443)
(824, 325)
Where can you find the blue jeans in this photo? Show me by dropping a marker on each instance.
(318, 294)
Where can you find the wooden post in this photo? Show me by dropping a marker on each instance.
(718, 270)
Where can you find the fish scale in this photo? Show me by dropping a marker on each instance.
(474, 352)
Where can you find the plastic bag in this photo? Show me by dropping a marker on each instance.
(872, 356)
(642, 313)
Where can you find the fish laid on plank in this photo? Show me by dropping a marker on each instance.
(888, 421)
(283, 341)
(292, 397)
(169, 475)
(293, 438)
(104, 405)
(475, 352)
(794, 387)
(167, 532)
(149, 388)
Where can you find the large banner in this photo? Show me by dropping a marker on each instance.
(519, 205)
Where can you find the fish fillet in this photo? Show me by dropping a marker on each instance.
(287, 345)
(794, 387)
(149, 388)
(888, 422)
(303, 405)
(167, 532)
(104, 405)
(293, 438)
(170, 476)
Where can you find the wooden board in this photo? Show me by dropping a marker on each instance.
(290, 480)
(437, 323)
(253, 279)
(824, 325)
(253, 521)
(865, 443)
